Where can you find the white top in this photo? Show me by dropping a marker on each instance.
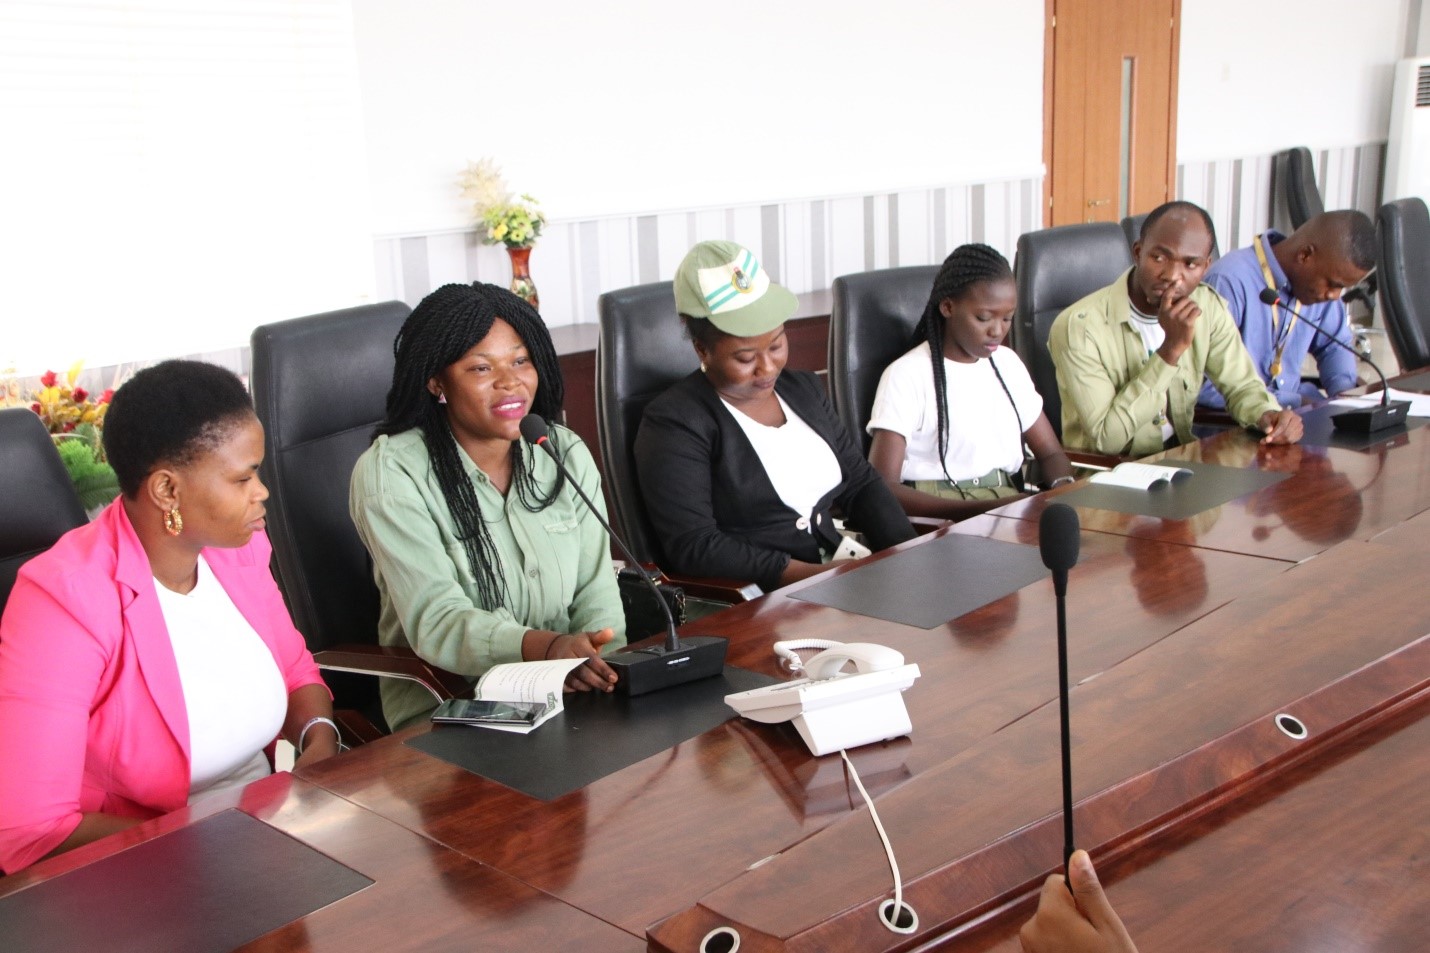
(797, 460)
(233, 690)
(982, 428)
(1153, 336)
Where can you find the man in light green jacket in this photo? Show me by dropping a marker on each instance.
(1131, 357)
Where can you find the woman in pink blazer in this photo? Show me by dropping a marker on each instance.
(94, 720)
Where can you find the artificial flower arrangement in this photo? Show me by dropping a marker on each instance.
(513, 222)
(75, 419)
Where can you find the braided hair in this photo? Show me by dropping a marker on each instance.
(447, 324)
(966, 266)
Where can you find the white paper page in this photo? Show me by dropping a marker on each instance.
(1419, 403)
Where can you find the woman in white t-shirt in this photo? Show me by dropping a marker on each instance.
(951, 431)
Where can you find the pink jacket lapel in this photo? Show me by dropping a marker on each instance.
(145, 622)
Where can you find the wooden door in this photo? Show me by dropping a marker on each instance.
(1110, 106)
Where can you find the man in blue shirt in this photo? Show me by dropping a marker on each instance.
(1308, 269)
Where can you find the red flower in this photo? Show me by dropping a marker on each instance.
(80, 395)
(105, 397)
(69, 425)
(48, 379)
(37, 408)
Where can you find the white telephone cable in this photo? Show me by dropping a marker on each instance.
(890, 918)
(786, 651)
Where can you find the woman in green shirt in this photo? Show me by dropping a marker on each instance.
(481, 552)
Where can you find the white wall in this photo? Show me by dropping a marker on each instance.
(1257, 77)
(630, 106)
(174, 173)
(172, 176)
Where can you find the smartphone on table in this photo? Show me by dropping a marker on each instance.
(469, 711)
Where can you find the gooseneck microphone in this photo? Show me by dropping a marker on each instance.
(1059, 536)
(678, 660)
(1390, 413)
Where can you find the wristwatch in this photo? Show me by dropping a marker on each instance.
(1066, 478)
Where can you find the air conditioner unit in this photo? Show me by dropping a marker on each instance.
(1407, 160)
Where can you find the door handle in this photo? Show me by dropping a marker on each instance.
(1094, 203)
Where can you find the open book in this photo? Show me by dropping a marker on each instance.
(1140, 476)
(532, 683)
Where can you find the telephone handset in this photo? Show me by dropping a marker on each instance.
(833, 708)
(866, 656)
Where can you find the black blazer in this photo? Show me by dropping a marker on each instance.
(712, 505)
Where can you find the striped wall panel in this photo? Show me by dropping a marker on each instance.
(1237, 192)
(804, 244)
(807, 244)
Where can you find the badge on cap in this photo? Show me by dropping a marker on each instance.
(741, 282)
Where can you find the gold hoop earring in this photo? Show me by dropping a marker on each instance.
(173, 522)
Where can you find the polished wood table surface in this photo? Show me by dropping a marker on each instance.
(1331, 854)
(641, 844)
(1214, 827)
(1188, 636)
(1331, 495)
(424, 896)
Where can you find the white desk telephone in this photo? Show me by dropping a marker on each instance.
(832, 708)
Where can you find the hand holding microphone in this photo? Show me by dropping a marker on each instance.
(1082, 921)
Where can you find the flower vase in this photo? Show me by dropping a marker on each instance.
(521, 284)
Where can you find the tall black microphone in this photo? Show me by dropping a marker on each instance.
(639, 671)
(1367, 420)
(1058, 539)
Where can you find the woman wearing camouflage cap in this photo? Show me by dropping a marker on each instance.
(741, 465)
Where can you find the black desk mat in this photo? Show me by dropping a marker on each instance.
(1209, 485)
(905, 588)
(596, 735)
(1320, 432)
(212, 886)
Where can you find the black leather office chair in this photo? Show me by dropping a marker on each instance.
(1132, 227)
(642, 350)
(873, 316)
(320, 385)
(39, 504)
(1055, 268)
(1403, 230)
(1295, 197)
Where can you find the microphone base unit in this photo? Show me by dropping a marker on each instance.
(1372, 419)
(642, 671)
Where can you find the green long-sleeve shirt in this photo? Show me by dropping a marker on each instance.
(556, 562)
(1114, 392)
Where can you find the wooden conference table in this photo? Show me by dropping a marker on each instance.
(1213, 828)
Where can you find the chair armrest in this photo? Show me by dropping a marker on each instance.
(354, 728)
(391, 662)
(713, 588)
(1210, 415)
(1094, 461)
